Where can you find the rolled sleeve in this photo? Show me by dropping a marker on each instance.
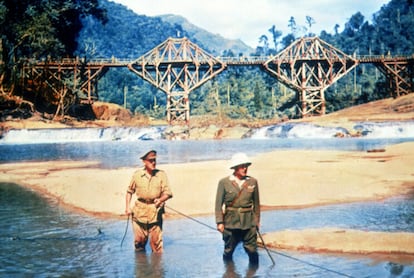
(131, 187)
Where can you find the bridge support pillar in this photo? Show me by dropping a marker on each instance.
(312, 103)
(178, 107)
(62, 83)
(399, 75)
(177, 67)
(309, 66)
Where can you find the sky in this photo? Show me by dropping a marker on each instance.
(249, 19)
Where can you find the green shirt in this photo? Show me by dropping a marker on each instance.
(230, 197)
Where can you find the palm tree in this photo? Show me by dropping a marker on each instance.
(263, 39)
(276, 34)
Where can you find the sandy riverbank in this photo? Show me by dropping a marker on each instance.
(287, 179)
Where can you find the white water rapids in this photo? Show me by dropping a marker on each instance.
(369, 130)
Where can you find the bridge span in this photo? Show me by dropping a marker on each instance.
(178, 66)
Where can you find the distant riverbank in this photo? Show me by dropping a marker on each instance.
(213, 127)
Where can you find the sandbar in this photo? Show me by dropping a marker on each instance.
(287, 179)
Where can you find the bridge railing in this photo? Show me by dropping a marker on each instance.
(78, 60)
(379, 58)
(241, 60)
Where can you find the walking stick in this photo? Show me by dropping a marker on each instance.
(126, 230)
(264, 246)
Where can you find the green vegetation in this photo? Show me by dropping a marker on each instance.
(37, 29)
(102, 29)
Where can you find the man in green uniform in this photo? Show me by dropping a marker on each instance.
(237, 209)
(152, 190)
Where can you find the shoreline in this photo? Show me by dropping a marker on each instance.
(327, 177)
(213, 127)
(288, 179)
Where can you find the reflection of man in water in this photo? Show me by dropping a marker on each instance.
(232, 272)
(152, 190)
(148, 266)
(239, 194)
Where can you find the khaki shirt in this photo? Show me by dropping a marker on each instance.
(236, 201)
(147, 188)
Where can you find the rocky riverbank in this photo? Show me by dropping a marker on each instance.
(211, 127)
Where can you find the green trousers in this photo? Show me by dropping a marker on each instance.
(232, 237)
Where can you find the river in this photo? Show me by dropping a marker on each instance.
(41, 239)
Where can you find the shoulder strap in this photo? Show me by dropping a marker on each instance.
(238, 195)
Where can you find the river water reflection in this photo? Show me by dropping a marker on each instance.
(40, 239)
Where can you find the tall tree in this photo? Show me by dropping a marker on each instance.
(275, 35)
(258, 100)
(354, 24)
(41, 29)
(310, 21)
(263, 39)
(36, 27)
(336, 29)
(292, 25)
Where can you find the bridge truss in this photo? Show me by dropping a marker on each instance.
(399, 73)
(177, 67)
(309, 66)
(64, 82)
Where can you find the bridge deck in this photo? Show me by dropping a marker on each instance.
(230, 61)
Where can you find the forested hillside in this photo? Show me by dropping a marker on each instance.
(252, 93)
(129, 35)
(103, 29)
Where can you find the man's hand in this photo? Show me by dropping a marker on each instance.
(128, 211)
(220, 227)
(158, 203)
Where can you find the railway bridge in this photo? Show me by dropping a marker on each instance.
(177, 67)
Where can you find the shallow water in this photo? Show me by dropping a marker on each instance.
(113, 154)
(40, 239)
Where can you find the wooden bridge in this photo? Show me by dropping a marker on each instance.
(178, 66)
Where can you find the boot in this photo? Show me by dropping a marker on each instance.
(227, 258)
(253, 259)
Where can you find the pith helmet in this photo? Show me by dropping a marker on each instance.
(149, 155)
(239, 159)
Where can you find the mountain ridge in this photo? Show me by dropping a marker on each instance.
(212, 40)
(128, 34)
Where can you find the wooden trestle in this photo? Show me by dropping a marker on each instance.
(309, 66)
(399, 72)
(67, 81)
(178, 66)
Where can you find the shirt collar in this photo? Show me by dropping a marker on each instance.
(144, 173)
(234, 178)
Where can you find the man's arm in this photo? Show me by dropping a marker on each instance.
(160, 201)
(127, 202)
(219, 207)
(128, 197)
(166, 190)
(256, 206)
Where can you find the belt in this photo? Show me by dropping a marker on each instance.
(146, 201)
(240, 209)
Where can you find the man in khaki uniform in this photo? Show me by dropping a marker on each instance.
(152, 190)
(237, 209)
